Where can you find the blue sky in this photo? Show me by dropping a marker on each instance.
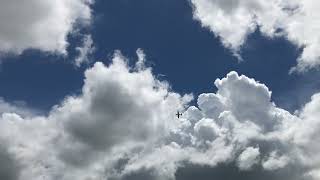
(178, 49)
(90, 89)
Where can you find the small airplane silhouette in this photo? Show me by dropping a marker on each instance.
(178, 114)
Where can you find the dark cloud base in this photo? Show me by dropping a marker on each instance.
(9, 169)
(232, 172)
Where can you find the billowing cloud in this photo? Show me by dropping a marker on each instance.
(120, 110)
(40, 24)
(248, 158)
(234, 20)
(123, 127)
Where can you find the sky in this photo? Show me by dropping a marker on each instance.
(90, 89)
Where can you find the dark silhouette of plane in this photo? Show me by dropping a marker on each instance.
(178, 114)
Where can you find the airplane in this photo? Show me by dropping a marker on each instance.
(178, 114)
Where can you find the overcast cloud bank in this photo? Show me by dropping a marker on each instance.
(123, 124)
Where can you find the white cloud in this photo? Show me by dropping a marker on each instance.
(123, 124)
(207, 129)
(40, 24)
(141, 59)
(274, 162)
(124, 100)
(85, 51)
(248, 158)
(120, 110)
(234, 20)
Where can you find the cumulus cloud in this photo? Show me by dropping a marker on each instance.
(234, 20)
(123, 126)
(274, 162)
(120, 110)
(40, 24)
(248, 158)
